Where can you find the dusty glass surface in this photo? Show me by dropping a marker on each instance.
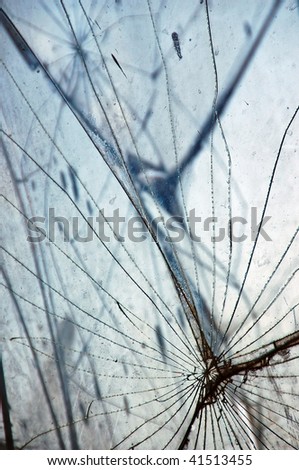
(149, 224)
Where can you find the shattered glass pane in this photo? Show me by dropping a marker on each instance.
(149, 248)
